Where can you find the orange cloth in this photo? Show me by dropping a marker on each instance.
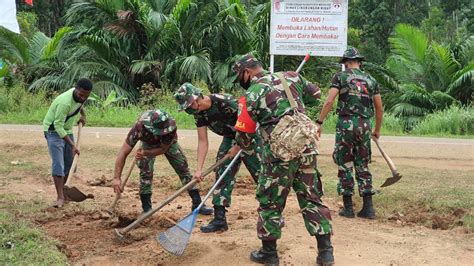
(244, 122)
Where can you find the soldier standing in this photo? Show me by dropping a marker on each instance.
(157, 132)
(358, 95)
(267, 104)
(219, 113)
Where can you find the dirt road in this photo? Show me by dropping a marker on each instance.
(86, 231)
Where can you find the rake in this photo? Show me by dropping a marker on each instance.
(175, 239)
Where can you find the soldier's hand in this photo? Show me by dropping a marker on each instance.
(140, 154)
(376, 134)
(318, 131)
(198, 176)
(233, 151)
(117, 185)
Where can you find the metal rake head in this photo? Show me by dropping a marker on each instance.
(175, 239)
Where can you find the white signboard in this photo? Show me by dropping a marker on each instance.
(8, 15)
(302, 26)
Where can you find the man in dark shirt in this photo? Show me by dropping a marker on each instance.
(157, 132)
(219, 113)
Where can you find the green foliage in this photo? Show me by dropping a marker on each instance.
(452, 121)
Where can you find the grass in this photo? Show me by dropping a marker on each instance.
(21, 242)
(18, 106)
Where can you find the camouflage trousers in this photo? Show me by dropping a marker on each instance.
(352, 150)
(223, 192)
(175, 157)
(274, 184)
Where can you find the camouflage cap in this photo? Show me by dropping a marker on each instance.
(245, 61)
(186, 95)
(351, 53)
(158, 122)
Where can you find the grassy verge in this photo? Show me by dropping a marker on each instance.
(18, 106)
(438, 199)
(22, 243)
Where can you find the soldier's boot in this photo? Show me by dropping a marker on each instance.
(219, 223)
(325, 250)
(348, 210)
(367, 211)
(146, 202)
(267, 255)
(196, 199)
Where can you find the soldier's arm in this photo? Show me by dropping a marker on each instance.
(333, 92)
(203, 146)
(156, 151)
(378, 115)
(311, 92)
(119, 163)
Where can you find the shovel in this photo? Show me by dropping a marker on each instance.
(395, 175)
(175, 239)
(120, 233)
(72, 193)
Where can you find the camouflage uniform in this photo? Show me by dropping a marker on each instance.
(267, 104)
(154, 128)
(353, 129)
(220, 118)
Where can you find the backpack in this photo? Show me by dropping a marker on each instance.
(294, 133)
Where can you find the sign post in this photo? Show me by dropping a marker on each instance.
(299, 27)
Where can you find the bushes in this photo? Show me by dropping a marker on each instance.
(452, 121)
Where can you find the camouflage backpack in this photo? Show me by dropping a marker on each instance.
(294, 133)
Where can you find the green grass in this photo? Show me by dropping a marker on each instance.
(18, 106)
(21, 242)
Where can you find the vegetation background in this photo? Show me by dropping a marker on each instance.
(138, 52)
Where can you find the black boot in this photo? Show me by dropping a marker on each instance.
(146, 202)
(367, 211)
(196, 198)
(267, 254)
(325, 250)
(348, 210)
(219, 223)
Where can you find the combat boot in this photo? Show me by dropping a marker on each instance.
(348, 210)
(367, 211)
(146, 202)
(267, 255)
(219, 223)
(325, 250)
(196, 198)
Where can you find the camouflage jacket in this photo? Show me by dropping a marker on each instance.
(138, 132)
(267, 103)
(221, 116)
(356, 92)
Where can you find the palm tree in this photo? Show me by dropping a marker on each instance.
(429, 75)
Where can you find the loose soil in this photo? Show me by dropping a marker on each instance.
(85, 230)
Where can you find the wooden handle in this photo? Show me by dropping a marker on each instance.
(124, 182)
(391, 165)
(76, 156)
(186, 187)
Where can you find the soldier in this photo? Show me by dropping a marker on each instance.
(219, 113)
(358, 95)
(267, 104)
(157, 132)
(57, 126)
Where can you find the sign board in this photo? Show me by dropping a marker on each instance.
(298, 27)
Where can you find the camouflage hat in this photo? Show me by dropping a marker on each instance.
(186, 95)
(158, 122)
(245, 61)
(351, 53)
